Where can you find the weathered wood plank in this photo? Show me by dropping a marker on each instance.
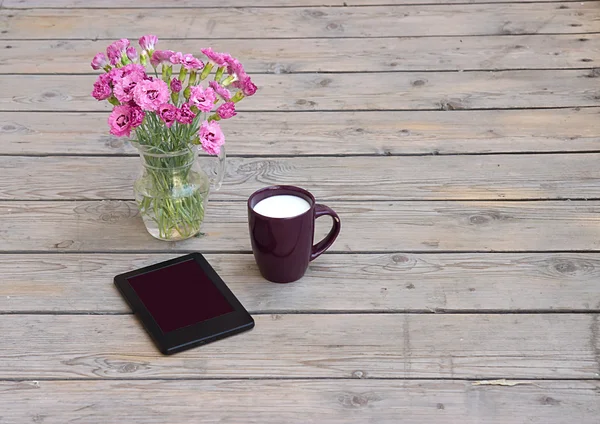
(379, 91)
(154, 4)
(336, 54)
(274, 402)
(367, 226)
(376, 345)
(327, 133)
(330, 178)
(482, 19)
(369, 282)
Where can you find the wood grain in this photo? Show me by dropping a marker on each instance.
(477, 19)
(154, 4)
(92, 226)
(376, 345)
(296, 92)
(369, 282)
(329, 178)
(336, 54)
(296, 401)
(329, 133)
(62, 319)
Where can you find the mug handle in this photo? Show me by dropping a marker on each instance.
(324, 244)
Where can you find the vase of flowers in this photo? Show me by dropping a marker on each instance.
(171, 115)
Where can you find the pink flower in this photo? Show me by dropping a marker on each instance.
(132, 53)
(215, 57)
(105, 78)
(133, 68)
(203, 99)
(99, 61)
(176, 58)
(185, 115)
(148, 42)
(149, 95)
(220, 90)
(160, 56)
(176, 85)
(120, 121)
(211, 137)
(124, 87)
(191, 63)
(116, 50)
(226, 110)
(115, 75)
(137, 116)
(248, 87)
(188, 61)
(235, 67)
(168, 113)
(102, 90)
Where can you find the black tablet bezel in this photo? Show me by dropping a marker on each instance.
(192, 335)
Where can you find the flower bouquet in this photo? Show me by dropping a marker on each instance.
(171, 113)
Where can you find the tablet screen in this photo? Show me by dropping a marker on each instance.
(179, 295)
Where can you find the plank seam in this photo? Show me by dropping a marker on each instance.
(314, 155)
(315, 38)
(436, 311)
(308, 6)
(395, 71)
(358, 201)
(437, 109)
(329, 252)
(465, 379)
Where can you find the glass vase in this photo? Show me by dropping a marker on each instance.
(172, 191)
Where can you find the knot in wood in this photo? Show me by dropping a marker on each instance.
(479, 219)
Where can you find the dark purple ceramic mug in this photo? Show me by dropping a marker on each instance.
(283, 247)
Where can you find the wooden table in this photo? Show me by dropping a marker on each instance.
(459, 142)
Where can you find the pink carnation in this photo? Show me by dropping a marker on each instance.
(203, 99)
(176, 85)
(124, 87)
(160, 56)
(235, 67)
(116, 50)
(226, 110)
(188, 61)
(149, 95)
(137, 116)
(248, 87)
(115, 75)
(220, 90)
(218, 59)
(102, 89)
(148, 42)
(99, 61)
(168, 113)
(192, 63)
(185, 115)
(120, 121)
(133, 68)
(176, 58)
(132, 53)
(211, 137)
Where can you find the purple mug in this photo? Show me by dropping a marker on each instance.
(283, 247)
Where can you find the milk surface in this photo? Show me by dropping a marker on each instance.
(282, 206)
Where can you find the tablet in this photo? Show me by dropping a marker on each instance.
(183, 303)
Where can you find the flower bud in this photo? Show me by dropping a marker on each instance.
(99, 61)
(132, 54)
(148, 42)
